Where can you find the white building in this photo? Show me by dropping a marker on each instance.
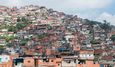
(4, 58)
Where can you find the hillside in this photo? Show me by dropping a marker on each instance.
(35, 30)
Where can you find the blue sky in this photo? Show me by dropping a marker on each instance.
(92, 9)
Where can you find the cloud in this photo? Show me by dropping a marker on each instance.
(82, 4)
(108, 17)
(61, 3)
(88, 3)
(14, 3)
(84, 8)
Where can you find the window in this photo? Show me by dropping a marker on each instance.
(94, 62)
(74, 60)
(68, 61)
(51, 60)
(58, 64)
(28, 61)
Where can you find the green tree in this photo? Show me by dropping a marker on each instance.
(9, 45)
(42, 35)
(106, 27)
(49, 27)
(94, 42)
(8, 38)
(91, 25)
(112, 38)
(20, 26)
(23, 19)
(1, 49)
(23, 42)
(12, 29)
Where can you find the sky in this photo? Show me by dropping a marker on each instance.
(98, 10)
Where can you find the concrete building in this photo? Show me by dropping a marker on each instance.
(5, 61)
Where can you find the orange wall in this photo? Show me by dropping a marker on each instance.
(86, 51)
(29, 62)
(8, 64)
(88, 64)
(55, 62)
